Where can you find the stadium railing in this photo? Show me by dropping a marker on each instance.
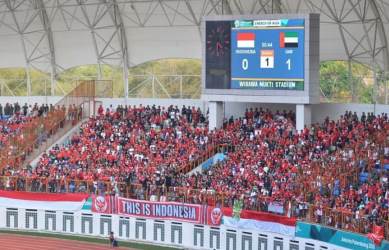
(344, 219)
(30, 135)
(210, 151)
(340, 219)
(40, 133)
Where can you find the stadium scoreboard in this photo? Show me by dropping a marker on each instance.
(262, 56)
(267, 54)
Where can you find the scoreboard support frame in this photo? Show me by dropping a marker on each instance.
(216, 114)
(303, 116)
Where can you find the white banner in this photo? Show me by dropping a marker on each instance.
(42, 205)
(264, 226)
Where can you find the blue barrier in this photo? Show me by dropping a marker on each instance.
(337, 237)
(212, 161)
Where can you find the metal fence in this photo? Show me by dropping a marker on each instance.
(22, 144)
(143, 86)
(337, 218)
(165, 86)
(39, 133)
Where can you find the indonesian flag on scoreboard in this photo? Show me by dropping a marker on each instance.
(42, 201)
(245, 40)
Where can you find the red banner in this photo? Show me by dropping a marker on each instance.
(30, 196)
(179, 211)
(42, 201)
(214, 216)
(102, 204)
(160, 210)
(377, 235)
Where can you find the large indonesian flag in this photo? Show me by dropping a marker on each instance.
(42, 201)
(254, 220)
(261, 221)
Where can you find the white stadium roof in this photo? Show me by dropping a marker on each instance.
(54, 35)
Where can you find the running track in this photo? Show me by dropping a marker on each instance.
(26, 242)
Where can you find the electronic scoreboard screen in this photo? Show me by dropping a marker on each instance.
(267, 55)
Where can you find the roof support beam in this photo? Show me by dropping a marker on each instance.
(49, 36)
(117, 20)
(214, 7)
(195, 21)
(238, 6)
(92, 30)
(336, 19)
(8, 3)
(276, 6)
(123, 45)
(226, 7)
(37, 42)
(382, 34)
(366, 30)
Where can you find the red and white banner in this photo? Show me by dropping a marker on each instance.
(377, 235)
(103, 204)
(156, 210)
(262, 221)
(160, 210)
(42, 201)
(214, 216)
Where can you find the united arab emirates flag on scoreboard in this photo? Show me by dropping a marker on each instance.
(289, 40)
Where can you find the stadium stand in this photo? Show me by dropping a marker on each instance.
(333, 173)
(28, 130)
(229, 170)
(23, 129)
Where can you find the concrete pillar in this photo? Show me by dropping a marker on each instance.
(216, 115)
(303, 116)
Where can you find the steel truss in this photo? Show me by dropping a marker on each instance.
(37, 43)
(361, 25)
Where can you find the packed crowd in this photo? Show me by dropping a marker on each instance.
(15, 119)
(271, 161)
(261, 162)
(24, 127)
(128, 144)
(267, 160)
